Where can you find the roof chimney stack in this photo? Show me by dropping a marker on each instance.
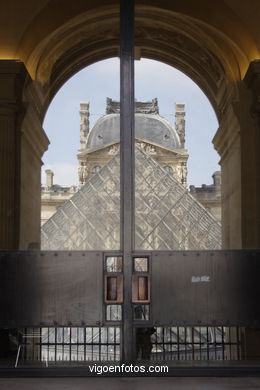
(49, 178)
(180, 122)
(84, 123)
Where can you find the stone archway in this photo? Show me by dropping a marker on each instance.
(212, 54)
(199, 51)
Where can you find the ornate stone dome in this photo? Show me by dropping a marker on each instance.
(149, 127)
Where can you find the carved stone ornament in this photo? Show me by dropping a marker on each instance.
(114, 149)
(84, 122)
(149, 149)
(185, 44)
(83, 173)
(149, 107)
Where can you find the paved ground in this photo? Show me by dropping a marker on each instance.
(129, 383)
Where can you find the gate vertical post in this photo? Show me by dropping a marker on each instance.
(127, 166)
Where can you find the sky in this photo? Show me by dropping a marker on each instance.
(152, 79)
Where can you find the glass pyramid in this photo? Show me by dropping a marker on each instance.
(167, 215)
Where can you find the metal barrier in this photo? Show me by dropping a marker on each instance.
(196, 343)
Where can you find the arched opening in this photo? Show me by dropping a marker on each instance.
(214, 51)
(181, 37)
(141, 282)
(190, 46)
(161, 134)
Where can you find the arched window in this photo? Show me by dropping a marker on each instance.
(168, 169)
(96, 169)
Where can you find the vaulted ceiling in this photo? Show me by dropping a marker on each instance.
(213, 42)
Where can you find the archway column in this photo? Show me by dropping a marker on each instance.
(250, 135)
(238, 143)
(227, 142)
(22, 143)
(250, 121)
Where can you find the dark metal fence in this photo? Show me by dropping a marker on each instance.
(69, 344)
(196, 343)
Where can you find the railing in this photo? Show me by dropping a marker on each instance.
(69, 344)
(196, 343)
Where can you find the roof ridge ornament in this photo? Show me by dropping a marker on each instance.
(148, 107)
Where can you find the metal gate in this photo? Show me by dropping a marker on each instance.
(69, 306)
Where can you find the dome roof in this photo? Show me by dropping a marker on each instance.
(149, 127)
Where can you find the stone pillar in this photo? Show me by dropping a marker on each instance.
(228, 144)
(250, 136)
(22, 142)
(12, 79)
(34, 142)
(238, 143)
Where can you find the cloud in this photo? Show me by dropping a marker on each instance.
(65, 174)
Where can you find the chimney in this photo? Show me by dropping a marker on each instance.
(180, 122)
(84, 123)
(49, 178)
(217, 179)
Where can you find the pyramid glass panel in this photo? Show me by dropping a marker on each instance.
(168, 217)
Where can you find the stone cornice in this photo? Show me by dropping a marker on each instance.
(83, 152)
(165, 159)
(13, 75)
(177, 152)
(54, 199)
(32, 129)
(173, 151)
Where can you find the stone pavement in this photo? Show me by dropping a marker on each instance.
(129, 383)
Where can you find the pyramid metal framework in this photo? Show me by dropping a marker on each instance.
(167, 216)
